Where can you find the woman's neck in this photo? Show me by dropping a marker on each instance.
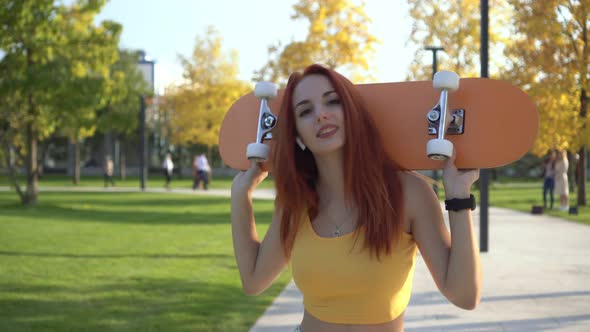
(330, 184)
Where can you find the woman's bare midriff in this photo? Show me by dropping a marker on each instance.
(312, 324)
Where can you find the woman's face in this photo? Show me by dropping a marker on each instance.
(319, 118)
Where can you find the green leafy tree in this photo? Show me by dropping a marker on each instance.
(26, 31)
(86, 67)
(337, 37)
(124, 88)
(53, 58)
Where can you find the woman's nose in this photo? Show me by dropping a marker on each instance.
(322, 114)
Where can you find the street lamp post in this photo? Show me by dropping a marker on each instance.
(146, 67)
(434, 49)
(143, 169)
(484, 173)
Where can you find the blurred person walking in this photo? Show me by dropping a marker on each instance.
(201, 170)
(108, 172)
(168, 168)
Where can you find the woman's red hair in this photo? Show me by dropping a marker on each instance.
(372, 180)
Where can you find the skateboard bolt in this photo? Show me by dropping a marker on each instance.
(269, 121)
(433, 115)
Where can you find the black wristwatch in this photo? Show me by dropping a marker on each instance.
(458, 204)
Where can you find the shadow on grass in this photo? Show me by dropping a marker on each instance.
(167, 210)
(114, 256)
(140, 304)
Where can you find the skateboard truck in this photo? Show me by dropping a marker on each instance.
(456, 127)
(259, 151)
(440, 148)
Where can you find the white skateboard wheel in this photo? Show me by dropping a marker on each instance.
(439, 149)
(258, 152)
(446, 80)
(264, 90)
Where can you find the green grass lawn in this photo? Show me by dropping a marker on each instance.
(154, 181)
(124, 262)
(143, 261)
(522, 197)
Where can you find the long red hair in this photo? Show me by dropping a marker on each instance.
(372, 180)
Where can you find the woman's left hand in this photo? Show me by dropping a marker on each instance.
(458, 182)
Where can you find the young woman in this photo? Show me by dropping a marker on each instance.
(561, 180)
(348, 219)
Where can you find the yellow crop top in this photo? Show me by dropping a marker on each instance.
(345, 286)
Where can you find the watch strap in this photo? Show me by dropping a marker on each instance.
(458, 204)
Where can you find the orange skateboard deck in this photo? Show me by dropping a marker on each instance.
(500, 123)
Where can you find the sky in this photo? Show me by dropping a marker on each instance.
(164, 29)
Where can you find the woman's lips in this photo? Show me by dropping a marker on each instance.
(327, 131)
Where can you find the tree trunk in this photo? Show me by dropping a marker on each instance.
(583, 154)
(41, 161)
(30, 197)
(180, 157)
(209, 152)
(581, 170)
(12, 171)
(108, 145)
(76, 161)
(122, 158)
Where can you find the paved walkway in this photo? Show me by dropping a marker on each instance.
(536, 278)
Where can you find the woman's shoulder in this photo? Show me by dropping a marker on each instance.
(416, 186)
(416, 191)
(415, 181)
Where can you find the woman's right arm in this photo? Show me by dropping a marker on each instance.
(259, 263)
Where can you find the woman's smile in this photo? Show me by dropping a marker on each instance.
(327, 131)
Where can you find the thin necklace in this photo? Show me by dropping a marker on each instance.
(337, 232)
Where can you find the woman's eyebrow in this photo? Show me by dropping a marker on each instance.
(302, 102)
(307, 101)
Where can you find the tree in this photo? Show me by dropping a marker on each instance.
(120, 114)
(540, 46)
(454, 25)
(196, 108)
(85, 72)
(337, 36)
(550, 59)
(49, 55)
(25, 30)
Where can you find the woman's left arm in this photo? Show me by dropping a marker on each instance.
(464, 276)
(453, 259)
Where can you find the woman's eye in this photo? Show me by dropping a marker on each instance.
(304, 112)
(334, 102)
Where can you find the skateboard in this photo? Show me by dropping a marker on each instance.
(490, 123)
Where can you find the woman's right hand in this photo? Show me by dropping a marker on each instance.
(246, 181)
